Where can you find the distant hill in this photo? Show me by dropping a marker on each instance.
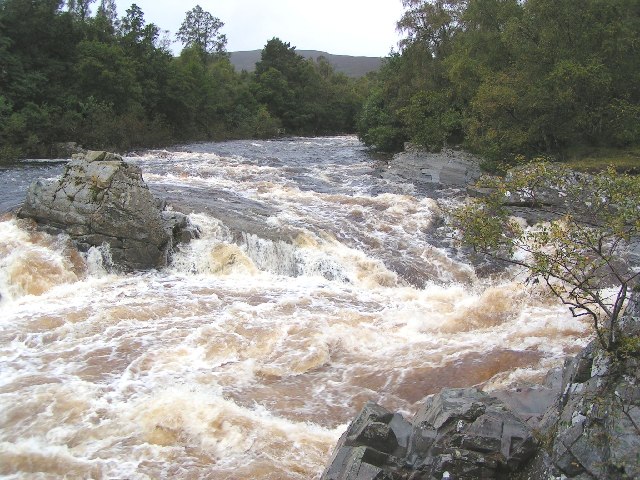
(350, 66)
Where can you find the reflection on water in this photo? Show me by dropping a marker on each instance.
(315, 287)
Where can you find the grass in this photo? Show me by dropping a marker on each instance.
(593, 160)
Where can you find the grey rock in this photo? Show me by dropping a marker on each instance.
(179, 227)
(356, 463)
(595, 433)
(452, 404)
(463, 464)
(531, 402)
(463, 432)
(448, 167)
(366, 450)
(102, 200)
(377, 435)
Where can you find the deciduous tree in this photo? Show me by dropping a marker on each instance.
(582, 255)
(201, 29)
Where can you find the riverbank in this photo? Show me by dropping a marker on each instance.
(598, 159)
(582, 422)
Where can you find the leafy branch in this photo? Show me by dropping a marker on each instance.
(580, 252)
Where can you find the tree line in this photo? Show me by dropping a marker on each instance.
(510, 77)
(69, 74)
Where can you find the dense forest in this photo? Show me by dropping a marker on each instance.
(72, 71)
(510, 77)
(504, 78)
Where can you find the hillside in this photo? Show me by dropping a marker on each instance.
(350, 66)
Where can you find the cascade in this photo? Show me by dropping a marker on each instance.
(316, 285)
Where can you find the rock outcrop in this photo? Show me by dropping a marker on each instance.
(458, 433)
(442, 169)
(583, 423)
(594, 431)
(102, 200)
(548, 196)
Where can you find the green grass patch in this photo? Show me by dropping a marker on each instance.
(594, 160)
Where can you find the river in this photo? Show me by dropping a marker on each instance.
(317, 284)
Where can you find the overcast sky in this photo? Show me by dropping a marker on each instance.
(344, 27)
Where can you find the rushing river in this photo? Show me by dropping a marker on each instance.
(316, 285)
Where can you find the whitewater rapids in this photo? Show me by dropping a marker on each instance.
(316, 285)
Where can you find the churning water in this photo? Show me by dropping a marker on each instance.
(316, 285)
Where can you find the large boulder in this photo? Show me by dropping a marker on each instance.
(102, 200)
(448, 168)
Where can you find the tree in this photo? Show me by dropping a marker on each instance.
(432, 23)
(136, 35)
(377, 126)
(511, 77)
(282, 80)
(202, 29)
(280, 56)
(106, 74)
(81, 8)
(108, 8)
(108, 11)
(582, 255)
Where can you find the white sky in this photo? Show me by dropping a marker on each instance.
(342, 27)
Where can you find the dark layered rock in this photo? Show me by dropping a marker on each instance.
(372, 447)
(596, 433)
(531, 402)
(592, 431)
(459, 433)
(102, 200)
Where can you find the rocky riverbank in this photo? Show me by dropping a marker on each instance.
(582, 423)
(430, 172)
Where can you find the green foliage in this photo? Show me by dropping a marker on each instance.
(629, 347)
(431, 120)
(111, 83)
(594, 160)
(202, 30)
(508, 77)
(265, 125)
(307, 97)
(104, 72)
(378, 127)
(580, 255)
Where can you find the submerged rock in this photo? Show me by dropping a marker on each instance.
(102, 200)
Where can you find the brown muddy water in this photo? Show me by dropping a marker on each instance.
(316, 285)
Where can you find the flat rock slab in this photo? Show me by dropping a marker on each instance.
(446, 168)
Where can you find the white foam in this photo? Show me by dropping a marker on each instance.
(245, 357)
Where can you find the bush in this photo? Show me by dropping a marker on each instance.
(581, 255)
